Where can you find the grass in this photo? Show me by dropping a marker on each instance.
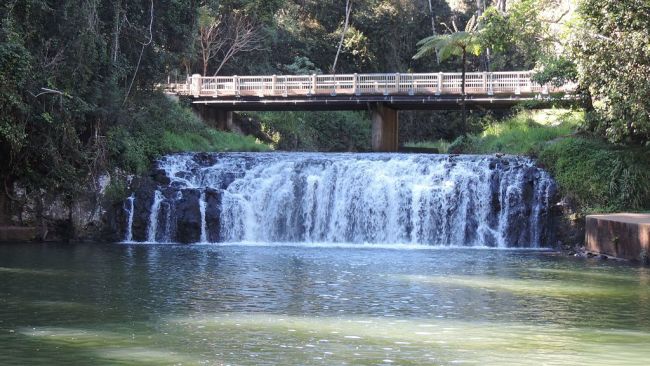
(524, 133)
(441, 145)
(165, 127)
(211, 140)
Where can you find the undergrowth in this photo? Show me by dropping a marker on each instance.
(165, 127)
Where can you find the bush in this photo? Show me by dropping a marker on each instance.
(165, 127)
(599, 175)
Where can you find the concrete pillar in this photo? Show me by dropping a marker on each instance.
(216, 118)
(195, 85)
(385, 126)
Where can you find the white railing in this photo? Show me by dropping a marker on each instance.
(476, 83)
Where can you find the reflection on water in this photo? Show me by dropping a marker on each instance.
(250, 305)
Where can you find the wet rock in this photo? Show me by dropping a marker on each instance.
(213, 214)
(188, 217)
(160, 176)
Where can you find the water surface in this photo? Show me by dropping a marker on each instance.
(317, 304)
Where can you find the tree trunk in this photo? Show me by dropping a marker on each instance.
(462, 91)
(501, 5)
(116, 32)
(348, 8)
(433, 20)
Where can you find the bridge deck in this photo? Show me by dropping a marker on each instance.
(412, 89)
(353, 102)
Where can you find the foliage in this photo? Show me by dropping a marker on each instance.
(555, 70)
(600, 176)
(441, 145)
(524, 133)
(301, 66)
(518, 37)
(419, 126)
(317, 131)
(611, 46)
(165, 127)
(69, 72)
(458, 43)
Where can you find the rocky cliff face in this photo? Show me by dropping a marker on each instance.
(57, 217)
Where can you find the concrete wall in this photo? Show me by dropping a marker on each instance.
(385, 128)
(620, 235)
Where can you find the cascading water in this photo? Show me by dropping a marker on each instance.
(153, 217)
(130, 208)
(204, 232)
(353, 198)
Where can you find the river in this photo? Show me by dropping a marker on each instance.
(316, 304)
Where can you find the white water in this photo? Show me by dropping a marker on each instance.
(129, 225)
(204, 232)
(365, 198)
(153, 217)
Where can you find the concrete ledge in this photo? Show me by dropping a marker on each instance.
(622, 235)
(17, 233)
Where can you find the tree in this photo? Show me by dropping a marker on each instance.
(611, 47)
(501, 5)
(348, 9)
(457, 43)
(225, 36)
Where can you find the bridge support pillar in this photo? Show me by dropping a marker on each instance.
(216, 118)
(385, 125)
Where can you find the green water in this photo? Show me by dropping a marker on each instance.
(303, 305)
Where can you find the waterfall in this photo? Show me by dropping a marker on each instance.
(129, 223)
(204, 235)
(438, 200)
(153, 217)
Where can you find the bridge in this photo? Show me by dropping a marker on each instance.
(216, 97)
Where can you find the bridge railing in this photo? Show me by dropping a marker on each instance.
(476, 83)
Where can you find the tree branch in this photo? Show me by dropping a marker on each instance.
(144, 45)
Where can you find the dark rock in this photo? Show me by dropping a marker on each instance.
(213, 214)
(188, 217)
(603, 257)
(160, 176)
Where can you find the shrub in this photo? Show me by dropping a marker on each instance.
(600, 176)
(166, 127)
